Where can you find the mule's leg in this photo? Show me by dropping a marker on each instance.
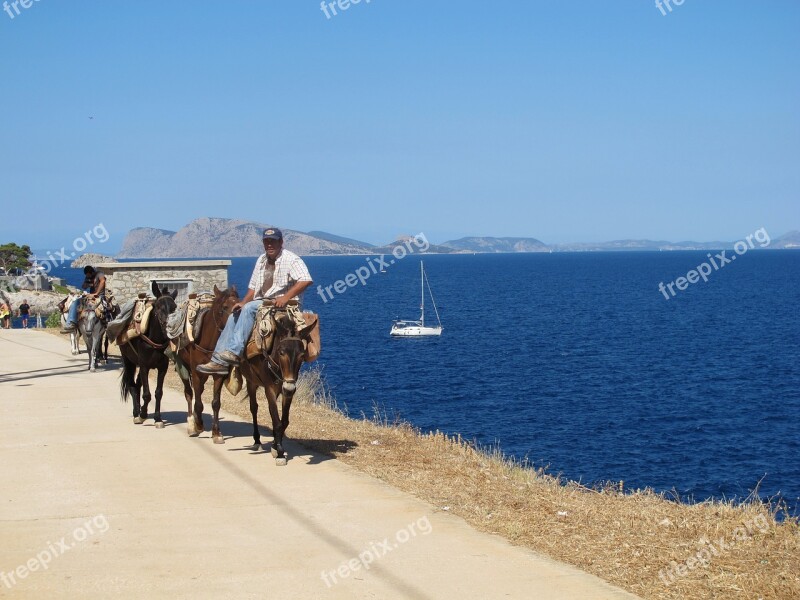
(161, 373)
(252, 388)
(135, 387)
(188, 395)
(286, 405)
(271, 392)
(97, 334)
(195, 418)
(216, 435)
(144, 375)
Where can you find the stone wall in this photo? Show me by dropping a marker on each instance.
(128, 279)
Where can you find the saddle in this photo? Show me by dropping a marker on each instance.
(184, 324)
(106, 307)
(263, 334)
(138, 321)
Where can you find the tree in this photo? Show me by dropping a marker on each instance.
(14, 257)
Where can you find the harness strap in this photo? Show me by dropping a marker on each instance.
(152, 343)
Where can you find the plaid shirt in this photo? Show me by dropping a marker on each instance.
(289, 269)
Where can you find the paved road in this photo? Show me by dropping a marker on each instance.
(93, 506)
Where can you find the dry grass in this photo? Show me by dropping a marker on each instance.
(627, 537)
(623, 537)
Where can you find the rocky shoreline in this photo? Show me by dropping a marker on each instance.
(41, 302)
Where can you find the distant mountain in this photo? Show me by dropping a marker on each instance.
(91, 258)
(329, 237)
(211, 237)
(788, 240)
(416, 247)
(618, 245)
(146, 242)
(493, 244)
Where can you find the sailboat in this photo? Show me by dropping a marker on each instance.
(418, 328)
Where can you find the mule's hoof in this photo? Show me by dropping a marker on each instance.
(159, 424)
(280, 462)
(138, 420)
(274, 452)
(218, 439)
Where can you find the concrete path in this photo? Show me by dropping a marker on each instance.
(93, 506)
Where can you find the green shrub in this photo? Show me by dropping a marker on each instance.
(53, 320)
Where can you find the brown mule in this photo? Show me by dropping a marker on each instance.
(200, 352)
(276, 371)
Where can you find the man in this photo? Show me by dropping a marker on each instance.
(279, 275)
(24, 310)
(5, 315)
(95, 283)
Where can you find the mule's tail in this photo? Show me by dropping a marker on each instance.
(127, 383)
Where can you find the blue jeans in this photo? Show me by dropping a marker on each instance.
(237, 331)
(73, 312)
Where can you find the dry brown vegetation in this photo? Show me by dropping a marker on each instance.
(624, 537)
(632, 538)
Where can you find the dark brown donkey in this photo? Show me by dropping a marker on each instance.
(147, 352)
(211, 326)
(277, 372)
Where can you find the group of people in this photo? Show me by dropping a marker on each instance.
(23, 311)
(279, 275)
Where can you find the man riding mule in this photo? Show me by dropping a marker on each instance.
(279, 275)
(94, 282)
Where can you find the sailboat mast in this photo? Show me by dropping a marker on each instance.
(422, 290)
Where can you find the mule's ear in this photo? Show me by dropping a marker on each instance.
(155, 290)
(216, 290)
(233, 290)
(174, 293)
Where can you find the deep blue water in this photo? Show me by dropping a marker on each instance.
(577, 362)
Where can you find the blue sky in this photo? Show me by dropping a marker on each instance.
(565, 121)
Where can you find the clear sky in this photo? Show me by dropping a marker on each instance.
(561, 120)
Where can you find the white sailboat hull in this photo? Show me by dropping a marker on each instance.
(414, 330)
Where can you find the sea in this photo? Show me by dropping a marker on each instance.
(578, 363)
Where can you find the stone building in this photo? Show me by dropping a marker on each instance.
(128, 279)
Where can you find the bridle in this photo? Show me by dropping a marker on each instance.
(272, 364)
(163, 324)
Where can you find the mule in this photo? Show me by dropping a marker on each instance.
(74, 334)
(91, 327)
(199, 352)
(146, 352)
(276, 370)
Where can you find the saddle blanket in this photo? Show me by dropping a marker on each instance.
(132, 321)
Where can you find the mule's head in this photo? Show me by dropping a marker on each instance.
(164, 305)
(224, 301)
(289, 350)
